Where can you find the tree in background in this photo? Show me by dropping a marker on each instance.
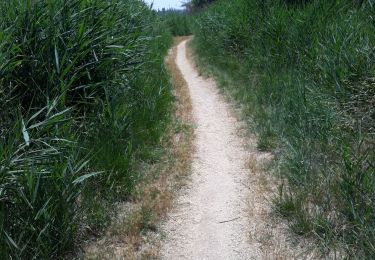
(195, 5)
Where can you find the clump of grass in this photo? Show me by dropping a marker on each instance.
(305, 71)
(83, 95)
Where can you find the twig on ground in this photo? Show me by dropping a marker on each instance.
(225, 221)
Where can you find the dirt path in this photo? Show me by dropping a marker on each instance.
(225, 211)
(210, 219)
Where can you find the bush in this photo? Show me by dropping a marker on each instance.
(306, 79)
(83, 94)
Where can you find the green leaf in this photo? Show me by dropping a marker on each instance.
(82, 178)
(57, 60)
(25, 134)
(11, 240)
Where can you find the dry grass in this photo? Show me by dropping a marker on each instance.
(134, 233)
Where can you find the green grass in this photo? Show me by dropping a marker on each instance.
(84, 96)
(303, 72)
(178, 22)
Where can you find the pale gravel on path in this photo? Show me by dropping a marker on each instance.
(210, 220)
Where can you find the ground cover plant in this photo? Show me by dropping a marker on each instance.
(83, 96)
(303, 72)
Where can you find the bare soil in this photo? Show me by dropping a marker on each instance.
(223, 209)
(225, 212)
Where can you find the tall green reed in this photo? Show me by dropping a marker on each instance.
(83, 95)
(177, 21)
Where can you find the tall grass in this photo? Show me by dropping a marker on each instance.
(304, 72)
(177, 21)
(83, 95)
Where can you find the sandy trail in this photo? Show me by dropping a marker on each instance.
(226, 210)
(210, 218)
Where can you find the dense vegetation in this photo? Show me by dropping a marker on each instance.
(304, 74)
(83, 95)
(177, 21)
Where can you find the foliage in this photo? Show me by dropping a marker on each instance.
(196, 5)
(178, 22)
(306, 77)
(83, 95)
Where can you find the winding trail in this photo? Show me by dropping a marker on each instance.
(225, 211)
(210, 218)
